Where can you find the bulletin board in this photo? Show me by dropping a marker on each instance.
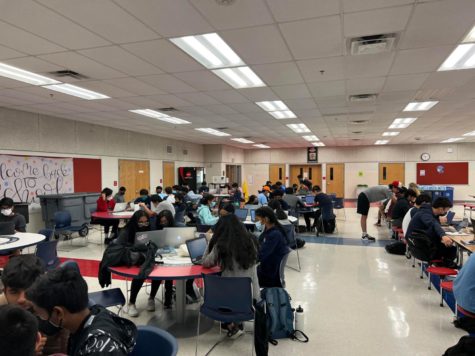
(442, 173)
(87, 175)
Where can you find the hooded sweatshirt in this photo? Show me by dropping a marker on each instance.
(205, 215)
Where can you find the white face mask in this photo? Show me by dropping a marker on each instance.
(7, 212)
(109, 198)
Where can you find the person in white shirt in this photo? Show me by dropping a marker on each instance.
(157, 205)
(170, 195)
(422, 198)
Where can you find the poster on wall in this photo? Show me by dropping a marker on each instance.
(23, 178)
(312, 154)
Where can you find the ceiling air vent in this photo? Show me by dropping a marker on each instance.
(362, 98)
(357, 132)
(169, 149)
(359, 122)
(69, 73)
(372, 44)
(185, 152)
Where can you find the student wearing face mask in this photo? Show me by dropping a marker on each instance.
(8, 215)
(107, 203)
(273, 247)
(204, 210)
(143, 198)
(120, 195)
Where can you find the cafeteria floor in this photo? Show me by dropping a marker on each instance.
(357, 299)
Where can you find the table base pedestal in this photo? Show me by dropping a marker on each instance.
(167, 320)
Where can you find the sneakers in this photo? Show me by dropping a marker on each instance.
(368, 237)
(132, 311)
(151, 305)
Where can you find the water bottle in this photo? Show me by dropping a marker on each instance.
(299, 318)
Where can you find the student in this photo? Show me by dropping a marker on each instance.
(19, 334)
(426, 220)
(8, 215)
(404, 202)
(19, 274)
(262, 198)
(279, 212)
(120, 195)
(165, 219)
(60, 298)
(190, 195)
(422, 198)
(204, 188)
(294, 202)
(464, 286)
(324, 202)
(180, 210)
(107, 203)
(159, 191)
(204, 210)
(280, 186)
(170, 196)
(252, 200)
(235, 252)
(236, 194)
(415, 188)
(372, 195)
(273, 247)
(278, 195)
(143, 198)
(305, 182)
(157, 205)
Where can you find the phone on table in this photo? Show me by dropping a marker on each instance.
(471, 242)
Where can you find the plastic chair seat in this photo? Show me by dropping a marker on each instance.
(226, 316)
(108, 297)
(441, 271)
(153, 341)
(465, 312)
(447, 285)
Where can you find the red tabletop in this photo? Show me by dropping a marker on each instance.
(110, 215)
(469, 205)
(167, 272)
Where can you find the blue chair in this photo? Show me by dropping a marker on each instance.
(48, 233)
(226, 299)
(63, 227)
(153, 341)
(46, 252)
(339, 204)
(283, 263)
(292, 241)
(108, 298)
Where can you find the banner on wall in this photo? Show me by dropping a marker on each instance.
(312, 154)
(23, 178)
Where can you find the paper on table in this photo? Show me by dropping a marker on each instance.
(176, 260)
(457, 233)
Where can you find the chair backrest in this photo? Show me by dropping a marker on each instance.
(202, 228)
(338, 203)
(46, 252)
(48, 233)
(108, 297)
(228, 293)
(180, 216)
(152, 341)
(62, 219)
(283, 262)
(289, 234)
(70, 264)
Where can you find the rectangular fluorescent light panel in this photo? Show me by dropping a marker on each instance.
(159, 116)
(381, 142)
(287, 114)
(402, 123)
(276, 105)
(298, 128)
(76, 91)
(311, 138)
(420, 105)
(390, 133)
(453, 139)
(213, 132)
(471, 133)
(209, 49)
(239, 77)
(470, 37)
(260, 145)
(242, 140)
(462, 57)
(25, 76)
(318, 144)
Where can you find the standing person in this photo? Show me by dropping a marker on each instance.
(8, 214)
(107, 203)
(372, 195)
(236, 194)
(305, 182)
(119, 197)
(204, 188)
(263, 197)
(204, 210)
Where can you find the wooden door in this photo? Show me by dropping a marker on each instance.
(134, 175)
(233, 173)
(277, 173)
(389, 172)
(168, 174)
(336, 179)
(312, 172)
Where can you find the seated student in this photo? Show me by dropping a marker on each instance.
(157, 205)
(8, 215)
(120, 195)
(280, 186)
(60, 298)
(405, 200)
(159, 191)
(190, 195)
(204, 188)
(180, 210)
(293, 201)
(107, 203)
(252, 200)
(204, 210)
(18, 275)
(422, 198)
(19, 334)
(236, 194)
(272, 249)
(263, 197)
(464, 287)
(426, 220)
(170, 196)
(282, 217)
(278, 195)
(143, 198)
(235, 251)
(305, 181)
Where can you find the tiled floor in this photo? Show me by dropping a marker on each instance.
(358, 300)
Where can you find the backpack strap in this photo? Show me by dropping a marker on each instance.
(294, 336)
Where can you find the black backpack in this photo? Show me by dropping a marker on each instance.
(421, 246)
(396, 248)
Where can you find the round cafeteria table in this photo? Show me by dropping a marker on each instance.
(19, 240)
(112, 216)
(184, 322)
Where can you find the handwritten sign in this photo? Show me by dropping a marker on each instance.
(24, 178)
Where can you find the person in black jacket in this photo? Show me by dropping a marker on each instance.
(404, 202)
(60, 297)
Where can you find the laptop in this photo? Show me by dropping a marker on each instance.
(196, 249)
(450, 217)
(241, 214)
(119, 207)
(309, 199)
(156, 236)
(253, 215)
(176, 236)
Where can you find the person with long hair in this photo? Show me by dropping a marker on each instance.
(252, 200)
(107, 203)
(234, 249)
(273, 247)
(204, 210)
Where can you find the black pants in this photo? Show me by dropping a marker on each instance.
(446, 254)
(111, 223)
(315, 215)
(138, 283)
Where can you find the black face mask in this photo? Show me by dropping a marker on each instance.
(444, 214)
(47, 328)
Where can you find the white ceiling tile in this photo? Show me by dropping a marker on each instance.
(301, 103)
(420, 60)
(135, 86)
(278, 73)
(43, 22)
(305, 37)
(168, 17)
(121, 60)
(258, 45)
(91, 15)
(368, 65)
(361, 5)
(163, 101)
(291, 91)
(246, 108)
(243, 13)
(365, 85)
(221, 109)
(106, 88)
(404, 82)
(6, 53)
(339, 101)
(259, 94)
(439, 23)
(41, 95)
(333, 69)
(228, 96)
(203, 80)
(325, 89)
(284, 11)
(451, 79)
(168, 83)
(198, 98)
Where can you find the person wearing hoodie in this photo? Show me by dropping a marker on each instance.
(60, 297)
(204, 210)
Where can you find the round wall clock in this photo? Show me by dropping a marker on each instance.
(425, 156)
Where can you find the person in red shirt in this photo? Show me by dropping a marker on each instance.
(107, 203)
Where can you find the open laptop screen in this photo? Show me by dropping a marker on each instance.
(309, 199)
(196, 248)
(241, 214)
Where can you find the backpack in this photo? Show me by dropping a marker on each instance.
(396, 248)
(421, 246)
(280, 315)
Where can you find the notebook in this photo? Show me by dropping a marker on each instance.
(196, 249)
